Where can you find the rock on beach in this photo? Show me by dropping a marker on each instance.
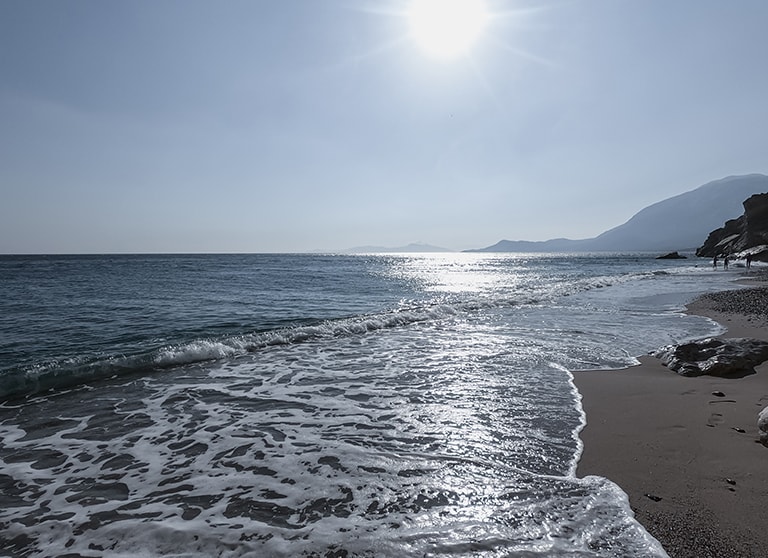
(762, 425)
(715, 357)
(719, 356)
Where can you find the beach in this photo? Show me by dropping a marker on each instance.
(686, 450)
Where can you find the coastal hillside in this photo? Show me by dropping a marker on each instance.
(677, 223)
(747, 235)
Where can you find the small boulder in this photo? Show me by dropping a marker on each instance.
(762, 425)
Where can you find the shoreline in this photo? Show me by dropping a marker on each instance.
(689, 460)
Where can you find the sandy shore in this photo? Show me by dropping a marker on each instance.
(690, 461)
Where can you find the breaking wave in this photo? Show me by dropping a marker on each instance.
(72, 371)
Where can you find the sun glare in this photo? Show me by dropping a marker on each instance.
(447, 28)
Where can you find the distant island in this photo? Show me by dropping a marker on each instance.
(414, 247)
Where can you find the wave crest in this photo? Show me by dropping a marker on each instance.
(64, 373)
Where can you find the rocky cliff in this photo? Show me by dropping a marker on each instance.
(746, 235)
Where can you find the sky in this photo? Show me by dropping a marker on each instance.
(302, 125)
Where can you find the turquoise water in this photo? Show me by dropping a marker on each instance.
(319, 405)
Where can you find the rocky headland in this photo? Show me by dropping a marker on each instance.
(747, 235)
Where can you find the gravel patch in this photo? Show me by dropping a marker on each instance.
(742, 301)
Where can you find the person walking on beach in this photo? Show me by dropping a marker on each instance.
(749, 261)
(714, 262)
(725, 262)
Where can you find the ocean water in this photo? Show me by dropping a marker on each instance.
(320, 405)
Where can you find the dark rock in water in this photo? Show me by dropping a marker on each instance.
(718, 394)
(715, 357)
(672, 256)
(654, 497)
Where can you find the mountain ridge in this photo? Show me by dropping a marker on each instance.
(681, 222)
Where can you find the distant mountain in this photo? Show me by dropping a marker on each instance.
(678, 223)
(554, 245)
(414, 247)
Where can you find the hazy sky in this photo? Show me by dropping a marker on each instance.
(294, 125)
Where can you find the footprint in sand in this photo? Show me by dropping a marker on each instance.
(715, 419)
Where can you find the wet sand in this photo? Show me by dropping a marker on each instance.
(690, 461)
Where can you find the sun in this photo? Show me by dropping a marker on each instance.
(447, 28)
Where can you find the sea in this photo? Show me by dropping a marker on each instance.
(319, 405)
